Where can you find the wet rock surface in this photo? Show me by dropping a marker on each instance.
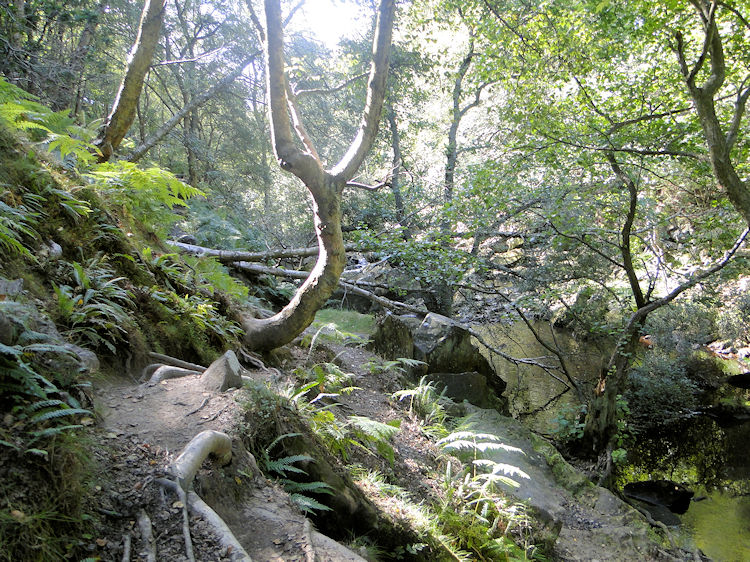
(592, 523)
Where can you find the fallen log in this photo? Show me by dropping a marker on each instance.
(228, 256)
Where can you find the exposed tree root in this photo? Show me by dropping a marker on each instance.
(126, 547)
(169, 372)
(186, 524)
(654, 523)
(147, 534)
(199, 408)
(235, 550)
(205, 443)
(167, 360)
(226, 537)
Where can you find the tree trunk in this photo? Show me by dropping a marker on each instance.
(443, 288)
(322, 281)
(74, 91)
(325, 187)
(719, 143)
(395, 173)
(123, 110)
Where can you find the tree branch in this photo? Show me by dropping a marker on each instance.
(352, 160)
(303, 165)
(337, 88)
(196, 102)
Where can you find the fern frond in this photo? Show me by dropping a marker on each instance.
(308, 504)
(375, 430)
(55, 414)
(50, 431)
(315, 487)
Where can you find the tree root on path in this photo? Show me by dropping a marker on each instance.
(184, 469)
(164, 372)
(147, 534)
(126, 547)
(205, 443)
(654, 523)
(235, 550)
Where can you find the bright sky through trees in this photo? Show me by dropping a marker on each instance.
(332, 20)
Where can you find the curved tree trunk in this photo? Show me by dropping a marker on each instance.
(322, 281)
(139, 61)
(325, 187)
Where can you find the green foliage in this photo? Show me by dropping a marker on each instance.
(29, 391)
(147, 195)
(398, 366)
(94, 305)
(427, 403)
(202, 273)
(284, 466)
(329, 377)
(683, 325)
(569, 423)
(733, 321)
(19, 218)
(200, 313)
(375, 433)
(659, 391)
(473, 443)
(58, 130)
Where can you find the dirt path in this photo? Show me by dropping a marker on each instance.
(168, 414)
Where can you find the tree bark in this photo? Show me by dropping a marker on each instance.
(78, 59)
(325, 187)
(139, 61)
(444, 289)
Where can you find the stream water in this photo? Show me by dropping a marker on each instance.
(712, 460)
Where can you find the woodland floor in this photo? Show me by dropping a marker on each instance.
(145, 427)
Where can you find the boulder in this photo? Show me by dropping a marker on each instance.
(470, 386)
(437, 341)
(392, 338)
(223, 374)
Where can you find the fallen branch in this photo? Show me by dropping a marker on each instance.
(208, 442)
(147, 534)
(382, 301)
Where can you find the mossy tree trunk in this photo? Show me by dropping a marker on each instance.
(124, 107)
